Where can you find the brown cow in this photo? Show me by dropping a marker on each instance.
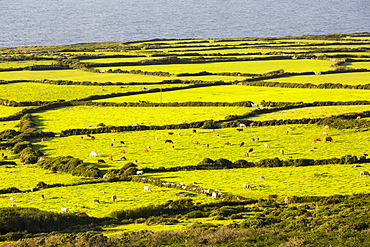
(110, 158)
(358, 117)
(194, 131)
(196, 142)
(316, 139)
(207, 145)
(146, 150)
(226, 143)
(282, 151)
(122, 151)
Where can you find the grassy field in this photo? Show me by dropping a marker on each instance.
(297, 144)
(360, 78)
(32, 91)
(77, 193)
(90, 116)
(236, 93)
(311, 112)
(80, 76)
(254, 67)
(7, 110)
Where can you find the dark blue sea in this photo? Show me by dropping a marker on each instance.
(58, 22)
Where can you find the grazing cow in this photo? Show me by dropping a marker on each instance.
(255, 139)
(156, 138)
(241, 144)
(242, 126)
(282, 152)
(226, 143)
(110, 158)
(246, 187)
(122, 142)
(262, 177)
(363, 173)
(100, 161)
(250, 150)
(173, 147)
(212, 131)
(95, 201)
(266, 145)
(146, 150)
(196, 142)
(114, 198)
(286, 132)
(239, 130)
(286, 200)
(251, 124)
(111, 144)
(168, 141)
(207, 145)
(93, 154)
(14, 205)
(2, 154)
(170, 133)
(122, 151)
(246, 154)
(65, 210)
(324, 133)
(42, 139)
(42, 197)
(179, 134)
(12, 199)
(214, 194)
(136, 161)
(328, 139)
(316, 139)
(147, 188)
(122, 158)
(139, 172)
(358, 117)
(113, 140)
(194, 131)
(327, 127)
(81, 137)
(218, 135)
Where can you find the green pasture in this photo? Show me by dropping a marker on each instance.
(117, 60)
(5, 125)
(359, 78)
(33, 91)
(324, 180)
(81, 76)
(25, 177)
(90, 116)
(311, 112)
(361, 65)
(23, 64)
(297, 144)
(237, 93)
(6, 111)
(257, 67)
(78, 198)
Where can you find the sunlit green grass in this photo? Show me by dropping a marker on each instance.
(31, 91)
(22, 64)
(80, 76)
(89, 116)
(9, 125)
(312, 112)
(79, 198)
(6, 111)
(297, 144)
(365, 65)
(325, 180)
(359, 78)
(238, 93)
(258, 67)
(25, 177)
